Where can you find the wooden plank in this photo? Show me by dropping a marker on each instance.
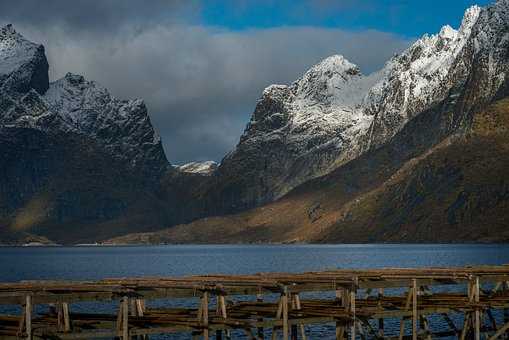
(28, 316)
(380, 320)
(205, 315)
(353, 294)
(284, 302)
(261, 314)
(500, 332)
(477, 312)
(125, 318)
(414, 309)
(260, 331)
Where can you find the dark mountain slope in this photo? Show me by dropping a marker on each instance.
(454, 191)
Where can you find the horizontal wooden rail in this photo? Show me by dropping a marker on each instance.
(355, 298)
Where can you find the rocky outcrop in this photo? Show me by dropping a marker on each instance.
(75, 162)
(73, 105)
(296, 133)
(334, 114)
(23, 64)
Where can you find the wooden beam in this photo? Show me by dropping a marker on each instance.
(259, 331)
(205, 314)
(403, 319)
(28, 316)
(22, 320)
(353, 312)
(381, 320)
(500, 332)
(125, 317)
(284, 303)
(414, 309)
(466, 327)
(451, 323)
(140, 307)
(340, 299)
(279, 313)
(66, 316)
(477, 312)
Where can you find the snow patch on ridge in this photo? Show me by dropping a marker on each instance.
(202, 168)
(14, 50)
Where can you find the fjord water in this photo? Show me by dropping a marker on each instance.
(96, 262)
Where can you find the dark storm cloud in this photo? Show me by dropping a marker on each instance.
(200, 83)
(82, 16)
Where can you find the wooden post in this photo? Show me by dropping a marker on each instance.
(125, 317)
(466, 326)
(414, 309)
(205, 314)
(66, 316)
(21, 325)
(259, 332)
(28, 316)
(60, 317)
(140, 307)
(505, 287)
(279, 312)
(403, 319)
(353, 295)
(298, 306)
(284, 299)
(340, 299)
(477, 289)
(500, 332)
(381, 320)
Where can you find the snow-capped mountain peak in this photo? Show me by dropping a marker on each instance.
(334, 113)
(72, 104)
(23, 64)
(416, 79)
(333, 81)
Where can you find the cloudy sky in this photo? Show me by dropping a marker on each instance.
(201, 65)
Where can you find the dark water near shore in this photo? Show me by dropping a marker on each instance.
(86, 263)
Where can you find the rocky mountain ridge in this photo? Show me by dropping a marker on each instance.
(424, 173)
(334, 114)
(74, 160)
(72, 104)
(76, 157)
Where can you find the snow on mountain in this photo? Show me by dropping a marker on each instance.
(23, 64)
(416, 79)
(72, 104)
(123, 126)
(333, 113)
(202, 168)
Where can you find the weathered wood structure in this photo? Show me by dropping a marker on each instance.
(358, 303)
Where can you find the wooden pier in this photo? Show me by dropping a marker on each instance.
(473, 302)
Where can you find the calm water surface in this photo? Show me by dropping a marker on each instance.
(80, 263)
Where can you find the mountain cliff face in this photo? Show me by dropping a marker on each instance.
(298, 132)
(420, 156)
(73, 159)
(454, 191)
(334, 114)
(337, 155)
